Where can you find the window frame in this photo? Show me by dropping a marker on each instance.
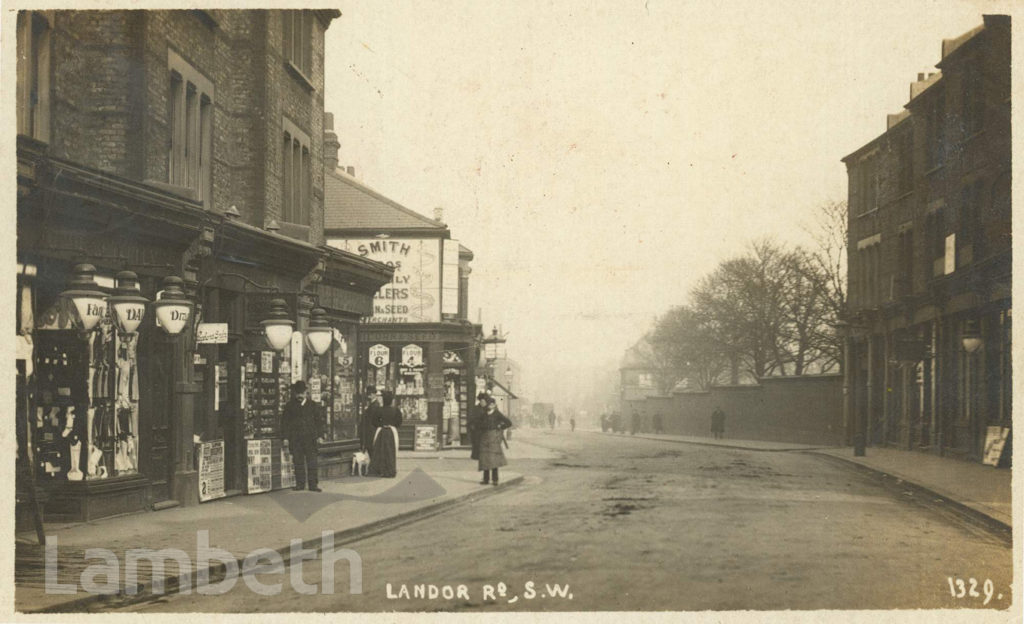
(190, 107)
(34, 51)
(297, 42)
(296, 175)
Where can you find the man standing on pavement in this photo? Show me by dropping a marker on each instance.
(300, 425)
(474, 422)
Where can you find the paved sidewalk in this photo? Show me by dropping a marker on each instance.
(984, 489)
(518, 448)
(348, 508)
(749, 445)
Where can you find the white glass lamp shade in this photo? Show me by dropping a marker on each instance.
(279, 333)
(90, 302)
(972, 343)
(319, 335)
(90, 309)
(319, 340)
(128, 304)
(278, 327)
(172, 309)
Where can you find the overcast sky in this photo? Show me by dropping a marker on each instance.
(600, 157)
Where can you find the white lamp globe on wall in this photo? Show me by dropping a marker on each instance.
(172, 308)
(128, 303)
(319, 335)
(90, 302)
(277, 326)
(971, 337)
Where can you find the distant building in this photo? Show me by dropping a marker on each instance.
(928, 353)
(419, 342)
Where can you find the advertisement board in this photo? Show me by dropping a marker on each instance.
(414, 294)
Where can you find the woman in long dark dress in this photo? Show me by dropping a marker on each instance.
(384, 457)
(491, 426)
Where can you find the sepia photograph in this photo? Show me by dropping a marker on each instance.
(626, 311)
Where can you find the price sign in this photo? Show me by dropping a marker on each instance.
(380, 355)
(412, 355)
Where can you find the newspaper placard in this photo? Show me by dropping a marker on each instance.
(211, 470)
(426, 438)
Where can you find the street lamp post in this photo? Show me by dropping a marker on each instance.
(850, 407)
(508, 375)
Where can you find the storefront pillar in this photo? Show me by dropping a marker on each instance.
(184, 479)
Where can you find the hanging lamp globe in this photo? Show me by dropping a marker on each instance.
(128, 303)
(172, 308)
(319, 335)
(90, 302)
(278, 326)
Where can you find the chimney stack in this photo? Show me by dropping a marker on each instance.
(920, 76)
(331, 143)
(439, 214)
(351, 171)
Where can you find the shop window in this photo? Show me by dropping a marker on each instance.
(298, 44)
(190, 148)
(85, 421)
(33, 74)
(297, 175)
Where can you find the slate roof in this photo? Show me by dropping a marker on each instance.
(351, 205)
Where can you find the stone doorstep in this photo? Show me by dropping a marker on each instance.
(174, 582)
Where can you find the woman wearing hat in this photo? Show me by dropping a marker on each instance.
(490, 427)
(384, 456)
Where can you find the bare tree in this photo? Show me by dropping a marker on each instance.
(689, 346)
(829, 258)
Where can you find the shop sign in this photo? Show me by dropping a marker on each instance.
(414, 294)
(412, 355)
(426, 438)
(211, 470)
(212, 333)
(380, 355)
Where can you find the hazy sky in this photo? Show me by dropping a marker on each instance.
(600, 157)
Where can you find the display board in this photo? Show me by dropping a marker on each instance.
(211, 470)
(995, 441)
(259, 466)
(262, 392)
(426, 438)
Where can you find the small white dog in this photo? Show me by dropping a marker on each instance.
(361, 463)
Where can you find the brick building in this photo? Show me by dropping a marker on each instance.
(928, 349)
(419, 342)
(172, 143)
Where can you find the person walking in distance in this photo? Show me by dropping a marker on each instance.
(492, 427)
(572, 423)
(718, 423)
(658, 423)
(300, 424)
(551, 420)
(384, 457)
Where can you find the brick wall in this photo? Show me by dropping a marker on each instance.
(804, 410)
(111, 86)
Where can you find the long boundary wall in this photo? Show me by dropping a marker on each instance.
(804, 410)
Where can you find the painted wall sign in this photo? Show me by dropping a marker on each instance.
(414, 294)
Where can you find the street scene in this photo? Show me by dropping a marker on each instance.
(425, 308)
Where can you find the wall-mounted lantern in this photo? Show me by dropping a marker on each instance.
(971, 338)
(128, 303)
(172, 308)
(278, 326)
(319, 334)
(90, 301)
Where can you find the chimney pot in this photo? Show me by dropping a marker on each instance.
(920, 76)
(439, 214)
(351, 171)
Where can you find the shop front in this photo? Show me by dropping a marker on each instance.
(431, 371)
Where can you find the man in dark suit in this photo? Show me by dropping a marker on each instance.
(300, 424)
